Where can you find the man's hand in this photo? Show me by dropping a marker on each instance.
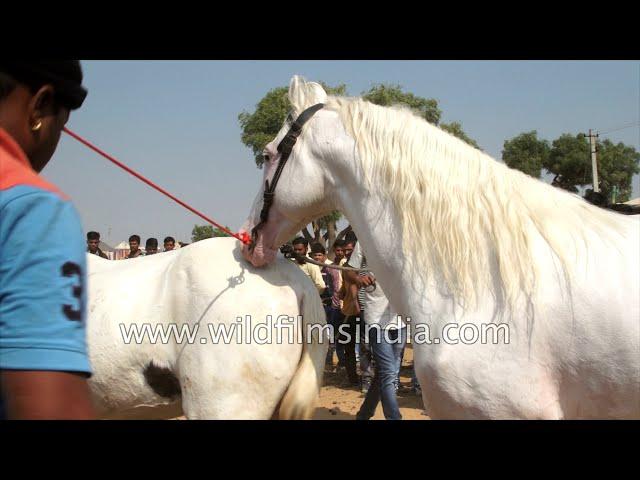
(359, 280)
(365, 280)
(44, 395)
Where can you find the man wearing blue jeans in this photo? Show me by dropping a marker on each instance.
(387, 336)
(386, 346)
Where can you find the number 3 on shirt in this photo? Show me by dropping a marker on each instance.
(70, 269)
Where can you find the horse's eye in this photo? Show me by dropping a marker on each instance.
(265, 158)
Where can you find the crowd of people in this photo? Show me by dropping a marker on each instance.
(353, 300)
(151, 245)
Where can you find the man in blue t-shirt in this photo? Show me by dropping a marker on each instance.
(43, 354)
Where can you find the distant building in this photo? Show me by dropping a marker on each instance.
(108, 250)
(122, 250)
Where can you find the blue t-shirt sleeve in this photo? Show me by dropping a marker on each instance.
(42, 284)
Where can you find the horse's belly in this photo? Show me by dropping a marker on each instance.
(119, 360)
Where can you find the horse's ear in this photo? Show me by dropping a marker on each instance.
(315, 93)
(295, 83)
(303, 94)
(296, 92)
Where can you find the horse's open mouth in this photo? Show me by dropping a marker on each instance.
(272, 234)
(258, 254)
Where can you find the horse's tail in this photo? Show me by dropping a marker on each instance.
(300, 399)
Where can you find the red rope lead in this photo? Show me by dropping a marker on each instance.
(244, 238)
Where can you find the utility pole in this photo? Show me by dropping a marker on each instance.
(594, 160)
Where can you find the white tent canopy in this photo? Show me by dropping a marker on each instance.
(122, 246)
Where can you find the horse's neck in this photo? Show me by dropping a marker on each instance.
(379, 232)
(379, 229)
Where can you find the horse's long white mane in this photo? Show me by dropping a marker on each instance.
(459, 207)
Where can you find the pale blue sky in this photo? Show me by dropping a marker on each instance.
(177, 123)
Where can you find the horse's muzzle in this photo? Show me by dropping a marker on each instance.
(257, 253)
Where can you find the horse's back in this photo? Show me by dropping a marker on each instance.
(98, 264)
(204, 287)
(223, 288)
(224, 254)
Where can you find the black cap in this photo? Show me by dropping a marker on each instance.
(64, 75)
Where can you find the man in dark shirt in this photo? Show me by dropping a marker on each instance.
(93, 240)
(169, 244)
(338, 250)
(151, 247)
(134, 247)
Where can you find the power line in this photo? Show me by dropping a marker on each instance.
(619, 128)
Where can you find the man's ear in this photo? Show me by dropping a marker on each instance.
(42, 104)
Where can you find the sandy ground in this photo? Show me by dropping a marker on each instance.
(342, 403)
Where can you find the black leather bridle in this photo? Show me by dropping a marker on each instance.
(284, 148)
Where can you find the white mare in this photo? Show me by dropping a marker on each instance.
(206, 283)
(457, 238)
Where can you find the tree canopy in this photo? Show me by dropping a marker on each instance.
(200, 232)
(569, 160)
(526, 153)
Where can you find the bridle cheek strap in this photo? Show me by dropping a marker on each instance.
(284, 148)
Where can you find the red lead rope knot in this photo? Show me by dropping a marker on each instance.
(246, 238)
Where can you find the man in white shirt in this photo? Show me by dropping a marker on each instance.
(387, 336)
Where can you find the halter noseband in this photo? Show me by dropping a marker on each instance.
(284, 148)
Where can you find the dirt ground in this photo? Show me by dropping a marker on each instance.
(342, 403)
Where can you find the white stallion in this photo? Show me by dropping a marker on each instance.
(201, 289)
(458, 239)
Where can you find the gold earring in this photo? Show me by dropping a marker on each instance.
(37, 126)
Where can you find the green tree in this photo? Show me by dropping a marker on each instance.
(200, 232)
(526, 153)
(217, 232)
(386, 95)
(262, 126)
(569, 161)
(326, 224)
(617, 164)
(455, 128)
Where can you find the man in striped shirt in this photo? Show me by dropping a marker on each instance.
(387, 337)
(363, 351)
